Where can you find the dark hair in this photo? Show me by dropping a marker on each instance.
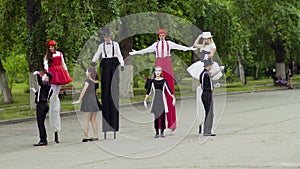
(92, 70)
(49, 55)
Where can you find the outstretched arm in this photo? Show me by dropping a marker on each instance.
(178, 47)
(146, 50)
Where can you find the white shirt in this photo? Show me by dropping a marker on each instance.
(56, 54)
(157, 47)
(208, 48)
(109, 52)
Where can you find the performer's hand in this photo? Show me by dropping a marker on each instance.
(192, 48)
(36, 73)
(122, 68)
(33, 90)
(145, 104)
(76, 102)
(93, 64)
(133, 52)
(222, 68)
(174, 102)
(217, 85)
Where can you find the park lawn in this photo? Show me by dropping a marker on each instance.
(20, 107)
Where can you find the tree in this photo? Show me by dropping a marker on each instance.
(33, 10)
(12, 39)
(273, 27)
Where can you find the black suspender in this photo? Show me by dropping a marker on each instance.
(113, 49)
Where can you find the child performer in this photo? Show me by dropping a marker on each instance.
(41, 99)
(159, 103)
(89, 105)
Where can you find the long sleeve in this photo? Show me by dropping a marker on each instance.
(150, 88)
(178, 47)
(97, 54)
(39, 79)
(119, 54)
(166, 86)
(46, 67)
(63, 62)
(151, 48)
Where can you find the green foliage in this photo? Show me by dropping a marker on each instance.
(229, 75)
(16, 66)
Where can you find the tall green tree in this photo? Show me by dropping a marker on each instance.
(12, 39)
(274, 28)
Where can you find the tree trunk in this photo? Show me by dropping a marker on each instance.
(5, 91)
(33, 8)
(280, 55)
(241, 69)
(280, 70)
(126, 45)
(256, 72)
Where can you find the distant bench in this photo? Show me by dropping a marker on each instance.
(67, 90)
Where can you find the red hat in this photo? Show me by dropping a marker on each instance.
(51, 43)
(162, 31)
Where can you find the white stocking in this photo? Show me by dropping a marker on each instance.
(54, 109)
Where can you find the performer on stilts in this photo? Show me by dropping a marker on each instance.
(207, 49)
(110, 60)
(162, 48)
(55, 64)
(159, 106)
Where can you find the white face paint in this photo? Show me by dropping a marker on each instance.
(44, 77)
(157, 71)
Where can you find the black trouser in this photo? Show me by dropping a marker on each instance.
(41, 110)
(160, 118)
(110, 94)
(207, 101)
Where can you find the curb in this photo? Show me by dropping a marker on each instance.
(69, 113)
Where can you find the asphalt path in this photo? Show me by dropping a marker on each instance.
(254, 130)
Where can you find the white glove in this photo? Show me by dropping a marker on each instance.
(133, 52)
(76, 102)
(46, 65)
(222, 68)
(192, 48)
(217, 85)
(36, 73)
(145, 104)
(33, 90)
(174, 102)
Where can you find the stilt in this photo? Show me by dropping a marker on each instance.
(56, 137)
(114, 134)
(104, 135)
(200, 129)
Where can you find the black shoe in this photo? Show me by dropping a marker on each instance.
(56, 137)
(93, 139)
(156, 136)
(212, 134)
(162, 135)
(85, 140)
(41, 143)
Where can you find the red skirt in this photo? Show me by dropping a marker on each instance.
(167, 73)
(60, 75)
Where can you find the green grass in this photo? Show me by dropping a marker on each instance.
(20, 107)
